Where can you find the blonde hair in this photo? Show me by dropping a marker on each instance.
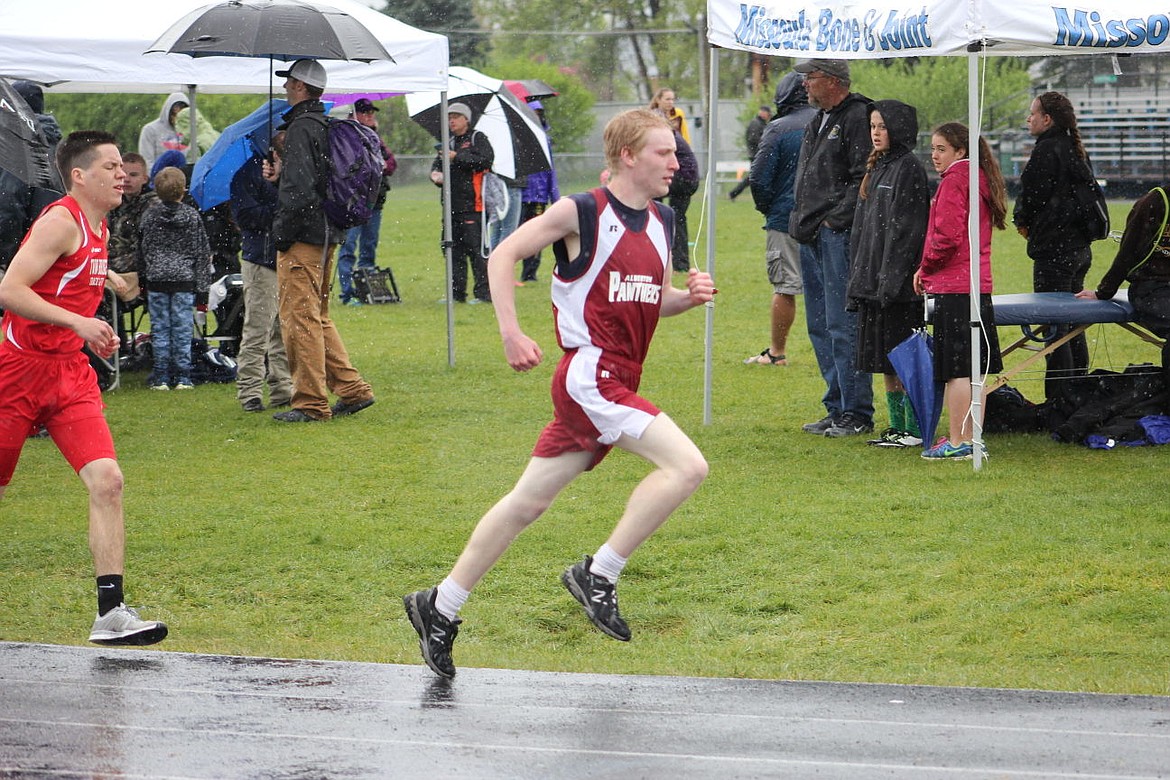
(628, 130)
(170, 184)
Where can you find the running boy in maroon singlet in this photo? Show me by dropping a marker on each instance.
(50, 294)
(610, 287)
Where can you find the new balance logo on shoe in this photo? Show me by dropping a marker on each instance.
(599, 598)
(436, 634)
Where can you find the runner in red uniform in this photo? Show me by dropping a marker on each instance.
(611, 285)
(50, 294)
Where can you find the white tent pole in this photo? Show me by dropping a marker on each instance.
(192, 145)
(444, 145)
(709, 190)
(973, 120)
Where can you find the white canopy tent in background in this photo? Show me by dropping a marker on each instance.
(83, 46)
(849, 29)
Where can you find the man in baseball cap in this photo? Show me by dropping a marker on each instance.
(364, 106)
(305, 240)
(836, 68)
(309, 72)
(462, 109)
(833, 158)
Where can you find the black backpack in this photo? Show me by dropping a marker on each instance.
(1090, 199)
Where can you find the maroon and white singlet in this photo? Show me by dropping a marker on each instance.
(606, 304)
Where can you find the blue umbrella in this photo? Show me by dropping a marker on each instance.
(211, 181)
(913, 360)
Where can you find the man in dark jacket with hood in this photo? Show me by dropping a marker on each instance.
(773, 182)
(262, 355)
(833, 157)
(305, 242)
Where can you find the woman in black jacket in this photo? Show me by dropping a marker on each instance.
(1046, 214)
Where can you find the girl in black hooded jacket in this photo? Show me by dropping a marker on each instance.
(889, 227)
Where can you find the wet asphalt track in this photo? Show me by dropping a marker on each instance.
(103, 713)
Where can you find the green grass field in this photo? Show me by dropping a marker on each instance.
(800, 558)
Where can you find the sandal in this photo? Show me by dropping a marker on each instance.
(766, 358)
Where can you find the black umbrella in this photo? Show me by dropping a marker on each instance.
(24, 153)
(277, 29)
(28, 181)
(514, 129)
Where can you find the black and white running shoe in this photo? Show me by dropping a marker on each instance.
(436, 633)
(599, 598)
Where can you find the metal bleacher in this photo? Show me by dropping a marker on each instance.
(1126, 132)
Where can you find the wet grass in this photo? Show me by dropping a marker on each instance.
(800, 558)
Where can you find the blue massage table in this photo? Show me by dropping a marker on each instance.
(1036, 312)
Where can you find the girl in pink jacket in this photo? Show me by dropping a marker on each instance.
(945, 274)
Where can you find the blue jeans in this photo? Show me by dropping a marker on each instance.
(367, 235)
(824, 267)
(172, 323)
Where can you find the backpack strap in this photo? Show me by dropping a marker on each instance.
(1159, 242)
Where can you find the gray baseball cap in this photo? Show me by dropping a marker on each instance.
(838, 68)
(459, 108)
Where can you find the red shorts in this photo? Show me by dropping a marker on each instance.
(59, 392)
(595, 401)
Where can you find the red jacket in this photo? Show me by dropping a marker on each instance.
(945, 267)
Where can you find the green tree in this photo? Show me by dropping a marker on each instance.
(937, 88)
(403, 135)
(620, 49)
(124, 115)
(569, 114)
(453, 18)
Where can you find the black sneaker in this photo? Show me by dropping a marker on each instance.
(343, 407)
(253, 405)
(599, 598)
(436, 633)
(294, 415)
(820, 426)
(848, 425)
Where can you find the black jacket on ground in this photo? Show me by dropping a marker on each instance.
(889, 225)
(833, 155)
(1046, 206)
(304, 179)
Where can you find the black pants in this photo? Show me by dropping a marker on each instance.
(1063, 274)
(467, 237)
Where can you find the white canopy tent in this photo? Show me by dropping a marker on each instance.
(874, 29)
(81, 46)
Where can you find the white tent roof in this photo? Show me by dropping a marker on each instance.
(86, 46)
(848, 29)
